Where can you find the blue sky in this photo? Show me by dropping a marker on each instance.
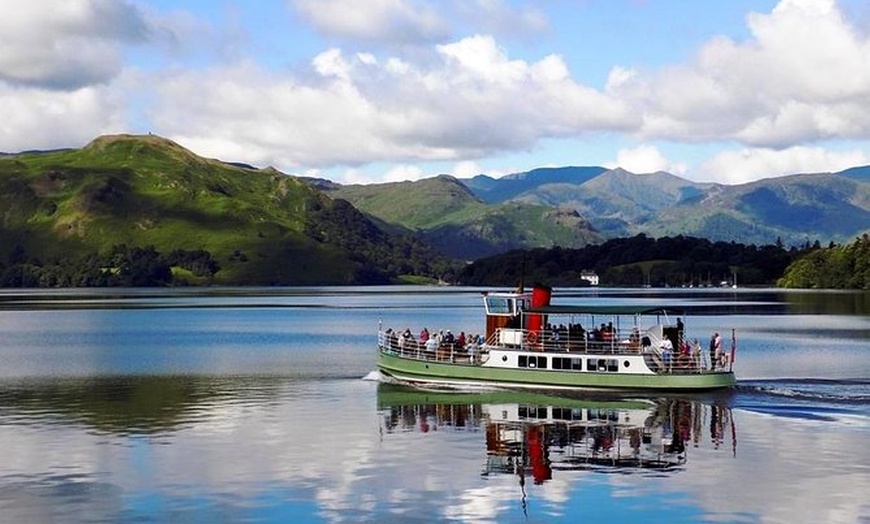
(384, 90)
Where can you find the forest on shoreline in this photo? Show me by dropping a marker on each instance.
(625, 262)
(681, 262)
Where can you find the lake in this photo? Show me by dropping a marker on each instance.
(263, 405)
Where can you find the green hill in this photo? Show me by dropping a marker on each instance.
(262, 227)
(451, 218)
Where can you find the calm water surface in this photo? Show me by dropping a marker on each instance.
(261, 405)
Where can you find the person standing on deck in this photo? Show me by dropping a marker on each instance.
(667, 348)
(715, 350)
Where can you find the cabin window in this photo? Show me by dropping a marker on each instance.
(498, 306)
(532, 412)
(526, 361)
(575, 364)
(610, 365)
(567, 414)
(604, 415)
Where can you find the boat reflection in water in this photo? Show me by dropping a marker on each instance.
(532, 435)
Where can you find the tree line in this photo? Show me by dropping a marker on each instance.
(121, 266)
(834, 267)
(638, 261)
(631, 262)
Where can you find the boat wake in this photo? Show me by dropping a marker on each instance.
(375, 376)
(854, 391)
(811, 399)
(383, 378)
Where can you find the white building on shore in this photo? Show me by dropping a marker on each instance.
(589, 276)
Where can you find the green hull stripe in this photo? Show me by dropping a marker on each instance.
(420, 370)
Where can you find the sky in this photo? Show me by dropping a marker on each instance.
(388, 90)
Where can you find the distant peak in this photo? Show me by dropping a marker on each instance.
(132, 143)
(105, 140)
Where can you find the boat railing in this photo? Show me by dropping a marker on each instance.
(470, 353)
(556, 340)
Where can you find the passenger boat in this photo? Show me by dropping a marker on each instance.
(529, 343)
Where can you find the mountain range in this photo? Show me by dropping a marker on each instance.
(791, 209)
(577, 206)
(266, 227)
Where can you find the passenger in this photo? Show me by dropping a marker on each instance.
(685, 359)
(715, 350)
(473, 347)
(696, 353)
(667, 348)
(634, 338)
(394, 340)
(431, 346)
(460, 340)
(424, 336)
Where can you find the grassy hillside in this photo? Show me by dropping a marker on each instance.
(449, 216)
(614, 200)
(263, 227)
(509, 187)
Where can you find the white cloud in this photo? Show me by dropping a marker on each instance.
(398, 21)
(404, 172)
(361, 109)
(645, 159)
(466, 169)
(746, 165)
(354, 176)
(66, 45)
(420, 22)
(52, 119)
(803, 76)
(498, 17)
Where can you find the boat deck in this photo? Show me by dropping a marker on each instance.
(687, 361)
